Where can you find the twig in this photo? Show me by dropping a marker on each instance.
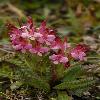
(39, 96)
(6, 50)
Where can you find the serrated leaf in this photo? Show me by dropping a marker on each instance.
(63, 96)
(5, 71)
(76, 84)
(40, 83)
(72, 73)
(27, 76)
(80, 91)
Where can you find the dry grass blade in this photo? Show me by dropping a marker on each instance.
(16, 10)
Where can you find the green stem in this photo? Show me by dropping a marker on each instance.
(93, 57)
(27, 63)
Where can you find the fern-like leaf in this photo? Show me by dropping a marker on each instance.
(63, 96)
(76, 84)
(72, 73)
(28, 77)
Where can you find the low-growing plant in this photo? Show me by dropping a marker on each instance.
(44, 65)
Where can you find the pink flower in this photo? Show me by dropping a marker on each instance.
(42, 28)
(39, 49)
(21, 45)
(43, 40)
(47, 39)
(47, 35)
(58, 44)
(37, 35)
(56, 59)
(20, 37)
(26, 32)
(50, 38)
(79, 52)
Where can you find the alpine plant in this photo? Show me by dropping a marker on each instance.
(43, 40)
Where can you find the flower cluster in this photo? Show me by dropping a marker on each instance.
(44, 40)
(79, 52)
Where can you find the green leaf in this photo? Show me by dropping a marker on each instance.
(72, 73)
(76, 84)
(5, 71)
(15, 85)
(60, 70)
(40, 83)
(86, 2)
(29, 77)
(80, 91)
(63, 96)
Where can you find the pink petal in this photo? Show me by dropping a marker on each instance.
(81, 56)
(28, 46)
(44, 49)
(39, 54)
(64, 59)
(55, 62)
(37, 35)
(25, 35)
(50, 38)
(53, 57)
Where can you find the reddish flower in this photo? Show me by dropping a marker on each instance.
(79, 52)
(29, 38)
(39, 49)
(47, 39)
(56, 59)
(58, 44)
(47, 35)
